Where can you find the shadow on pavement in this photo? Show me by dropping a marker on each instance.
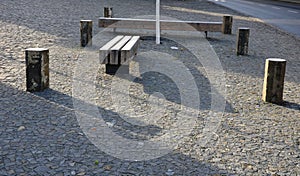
(40, 135)
(291, 105)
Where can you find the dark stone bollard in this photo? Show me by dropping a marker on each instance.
(37, 69)
(108, 12)
(227, 25)
(274, 80)
(86, 32)
(242, 41)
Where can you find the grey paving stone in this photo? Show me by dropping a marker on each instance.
(40, 134)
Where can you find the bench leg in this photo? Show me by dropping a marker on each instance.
(205, 34)
(113, 69)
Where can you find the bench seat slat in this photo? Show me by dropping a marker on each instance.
(130, 49)
(115, 53)
(104, 51)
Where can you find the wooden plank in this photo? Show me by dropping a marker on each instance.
(112, 42)
(115, 51)
(130, 49)
(129, 23)
(104, 50)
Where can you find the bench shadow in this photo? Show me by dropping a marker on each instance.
(159, 82)
(51, 139)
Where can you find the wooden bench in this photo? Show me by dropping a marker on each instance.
(129, 23)
(117, 53)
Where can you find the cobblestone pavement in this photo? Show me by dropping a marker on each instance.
(40, 134)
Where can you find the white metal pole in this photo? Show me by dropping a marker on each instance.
(157, 22)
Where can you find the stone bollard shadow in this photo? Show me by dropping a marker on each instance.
(44, 135)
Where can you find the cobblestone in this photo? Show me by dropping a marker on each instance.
(40, 134)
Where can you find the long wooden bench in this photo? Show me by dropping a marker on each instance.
(129, 23)
(117, 53)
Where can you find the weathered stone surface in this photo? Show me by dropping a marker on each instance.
(227, 24)
(108, 12)
(86, 32)
(242, 41)
(37, 69)
(274, 80)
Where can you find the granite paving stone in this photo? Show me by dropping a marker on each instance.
(41, 135)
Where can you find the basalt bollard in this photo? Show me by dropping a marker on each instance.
(86, 32)
(242, 41)
(274, 80)
(227, 25)
(108, 12)
(37, 69)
